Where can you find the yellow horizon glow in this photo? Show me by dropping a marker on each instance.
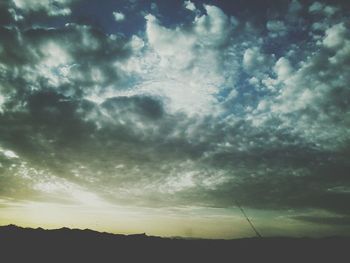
(187, 222)
(126, 220)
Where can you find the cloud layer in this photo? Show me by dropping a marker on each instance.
(205, 112)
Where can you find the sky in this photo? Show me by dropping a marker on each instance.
(164, 117)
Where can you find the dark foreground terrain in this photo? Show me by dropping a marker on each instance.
(72, 245)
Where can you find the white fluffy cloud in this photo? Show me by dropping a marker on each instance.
(180, 61)
(276, 28)
(253, 59)
(335, 36)
(283, 68)
(2, 101)
(174, 47)
(214, 28)
(189, 5)
(118, 16)
(308, 91)
(316, 7)
(53, 8)
(53, 66)
(321, 8)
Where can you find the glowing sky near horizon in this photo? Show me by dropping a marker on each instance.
(159, 116)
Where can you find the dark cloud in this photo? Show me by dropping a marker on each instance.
(326, 220)
(144, 106)
(5, 14)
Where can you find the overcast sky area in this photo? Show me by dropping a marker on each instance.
(161, 116)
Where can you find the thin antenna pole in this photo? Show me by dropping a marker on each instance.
(250, 222)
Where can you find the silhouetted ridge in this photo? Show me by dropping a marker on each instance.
(75, 245)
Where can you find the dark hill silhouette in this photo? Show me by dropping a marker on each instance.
(73, 245)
